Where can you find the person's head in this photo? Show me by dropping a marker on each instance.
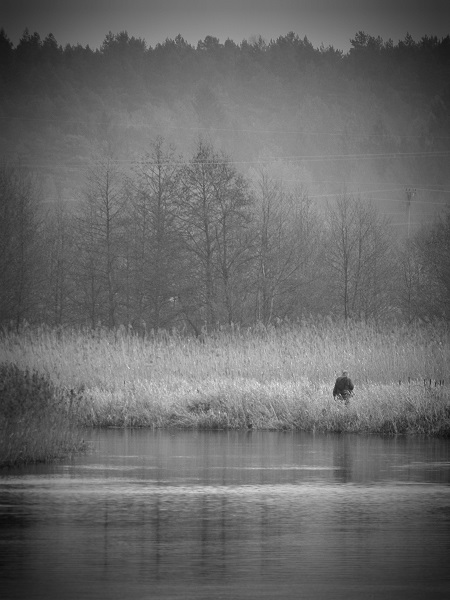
(344, 373)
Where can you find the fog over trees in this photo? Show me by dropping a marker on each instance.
(223, 185)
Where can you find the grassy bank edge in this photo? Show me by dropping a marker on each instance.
(38, 420)
(265, 380)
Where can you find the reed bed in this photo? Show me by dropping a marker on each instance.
(38, 422)
(262, 379)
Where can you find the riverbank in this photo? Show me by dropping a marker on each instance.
(38, 421)
(260, 379)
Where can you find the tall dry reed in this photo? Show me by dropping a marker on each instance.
(265, 378)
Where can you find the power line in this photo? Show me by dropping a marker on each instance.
(293, 158)
(382, 199)
(398, 187)
(419, 189)
(395, 224)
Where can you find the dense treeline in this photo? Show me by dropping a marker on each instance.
(283, 98)
(201, 187)
(126, 64)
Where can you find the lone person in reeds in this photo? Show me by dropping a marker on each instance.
(343, 388)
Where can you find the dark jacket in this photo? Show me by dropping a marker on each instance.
(343, 386)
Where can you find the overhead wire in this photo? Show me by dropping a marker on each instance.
(264, 161)
(231, 130)
(74, 166)
(395, 224)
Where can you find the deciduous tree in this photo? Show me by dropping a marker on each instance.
(101, 240)
(213, 212)
(155, 240)
(21, 258)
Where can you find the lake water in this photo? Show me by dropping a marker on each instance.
(230, 515)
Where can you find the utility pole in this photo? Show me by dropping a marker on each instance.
(410, 193)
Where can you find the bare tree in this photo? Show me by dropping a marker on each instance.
(360, 259)
(233, 237)
(301, 283)
(60, 249)
(425, 262)
(213, 213)
(287, 249)
(435, 250)
(156, 243)
(100, 241)
(266, 211)
(413, 286)
(20, 249)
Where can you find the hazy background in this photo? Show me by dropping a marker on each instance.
(325, 117)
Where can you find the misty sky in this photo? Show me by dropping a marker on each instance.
(331, 22)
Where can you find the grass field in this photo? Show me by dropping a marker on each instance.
(264, 379)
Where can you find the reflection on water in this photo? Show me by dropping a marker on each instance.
(230, 515)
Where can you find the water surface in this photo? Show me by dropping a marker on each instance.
(230, 515)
